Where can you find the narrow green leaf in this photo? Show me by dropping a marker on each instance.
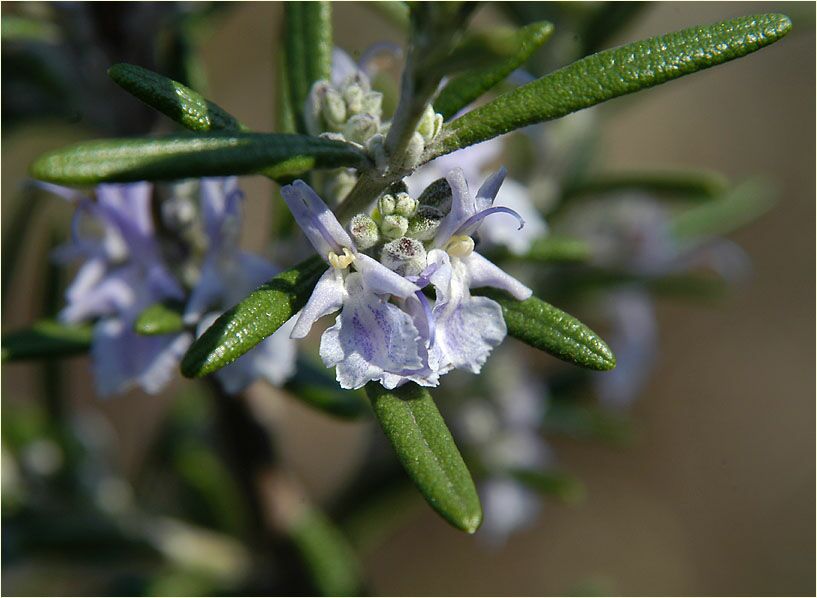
(308, 49)
(740, 206)
(44, 340)
(396, 13)
(15, 28)
(160, 318)
(180, 103)
(553, 249)
(586, 422)
(260, 314)
(427, 451)
(549, 329)
(610, 74)
(327, 554)
(466, 87)
(188, 156)
(691, 184)
(558, 484)
(314, 386)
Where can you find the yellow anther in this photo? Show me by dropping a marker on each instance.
(459, 246)
(341, 262)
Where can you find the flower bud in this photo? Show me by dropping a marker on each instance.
(364, 231)
(373, 103)
(423, 226)
(386, 204)
(353, 95)
(414, 151)
(377, 150)
(407, 257)
(430, 124)
(333, 109)
(437, 195)
(405, 205)
(313, 107)
(394, 226)
(360, 128)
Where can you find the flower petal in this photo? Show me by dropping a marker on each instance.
(483, 273)
(381, 280)
(315, 218)
(462, 207)
(487, 192)
(327, 297)
(370, 340)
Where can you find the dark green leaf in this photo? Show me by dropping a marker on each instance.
(427, 451)
(188, 156)
(552, 249)
(740, 206)
(317, 388)
(260, 314)
(160, 318)
(610, 74)
(549, 329)
(46, 339)
(308, 49)
(187, 107)
(566, 418)
(327, 554)
(466, 87)
(690, 184)
(560, 485)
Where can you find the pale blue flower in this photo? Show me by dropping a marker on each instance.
(127, 267)
(466, 328)
(371, 339)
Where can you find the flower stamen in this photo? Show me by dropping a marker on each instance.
(341, 262)
(459, 246)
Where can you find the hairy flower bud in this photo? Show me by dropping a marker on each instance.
(394, 226)
(314, 107)
(360, 128)
(333, 109)
(353, 95)
(414, 151)
(423, 226)
(386, 204)
(364, 231)
(405, 256)
(373, 103)
(430, 124)
(377, 150)
(405, 205)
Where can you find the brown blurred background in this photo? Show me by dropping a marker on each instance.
(716, 494)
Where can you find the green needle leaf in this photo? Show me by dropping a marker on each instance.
(553, 249)
(549, 329)
(740, 206)
(313, 385)
(327, 554)
(187, 107)
(160, 318)
(466, 87)
(308, 49)
(189, 156)
(690, 184)
(560, 485)
(45, 340)
(425, 448)
(260, 314)
(610, 74)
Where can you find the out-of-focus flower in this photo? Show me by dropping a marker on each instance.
(188, 254)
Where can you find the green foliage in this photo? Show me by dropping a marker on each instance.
(314, 386)
(307, 48)
(740, 206)
(549, 329)
(160, 318)
(260, 314)
(689, 184)
(610, 74)
(465, 87)
(45, 340)
(425, 448)
(180, 103)
(185, 156)
(552, 249)
(330, 560)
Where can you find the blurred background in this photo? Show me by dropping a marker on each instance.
(712, 495)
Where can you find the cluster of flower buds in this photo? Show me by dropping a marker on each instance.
(427, 130)
(350, 112)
